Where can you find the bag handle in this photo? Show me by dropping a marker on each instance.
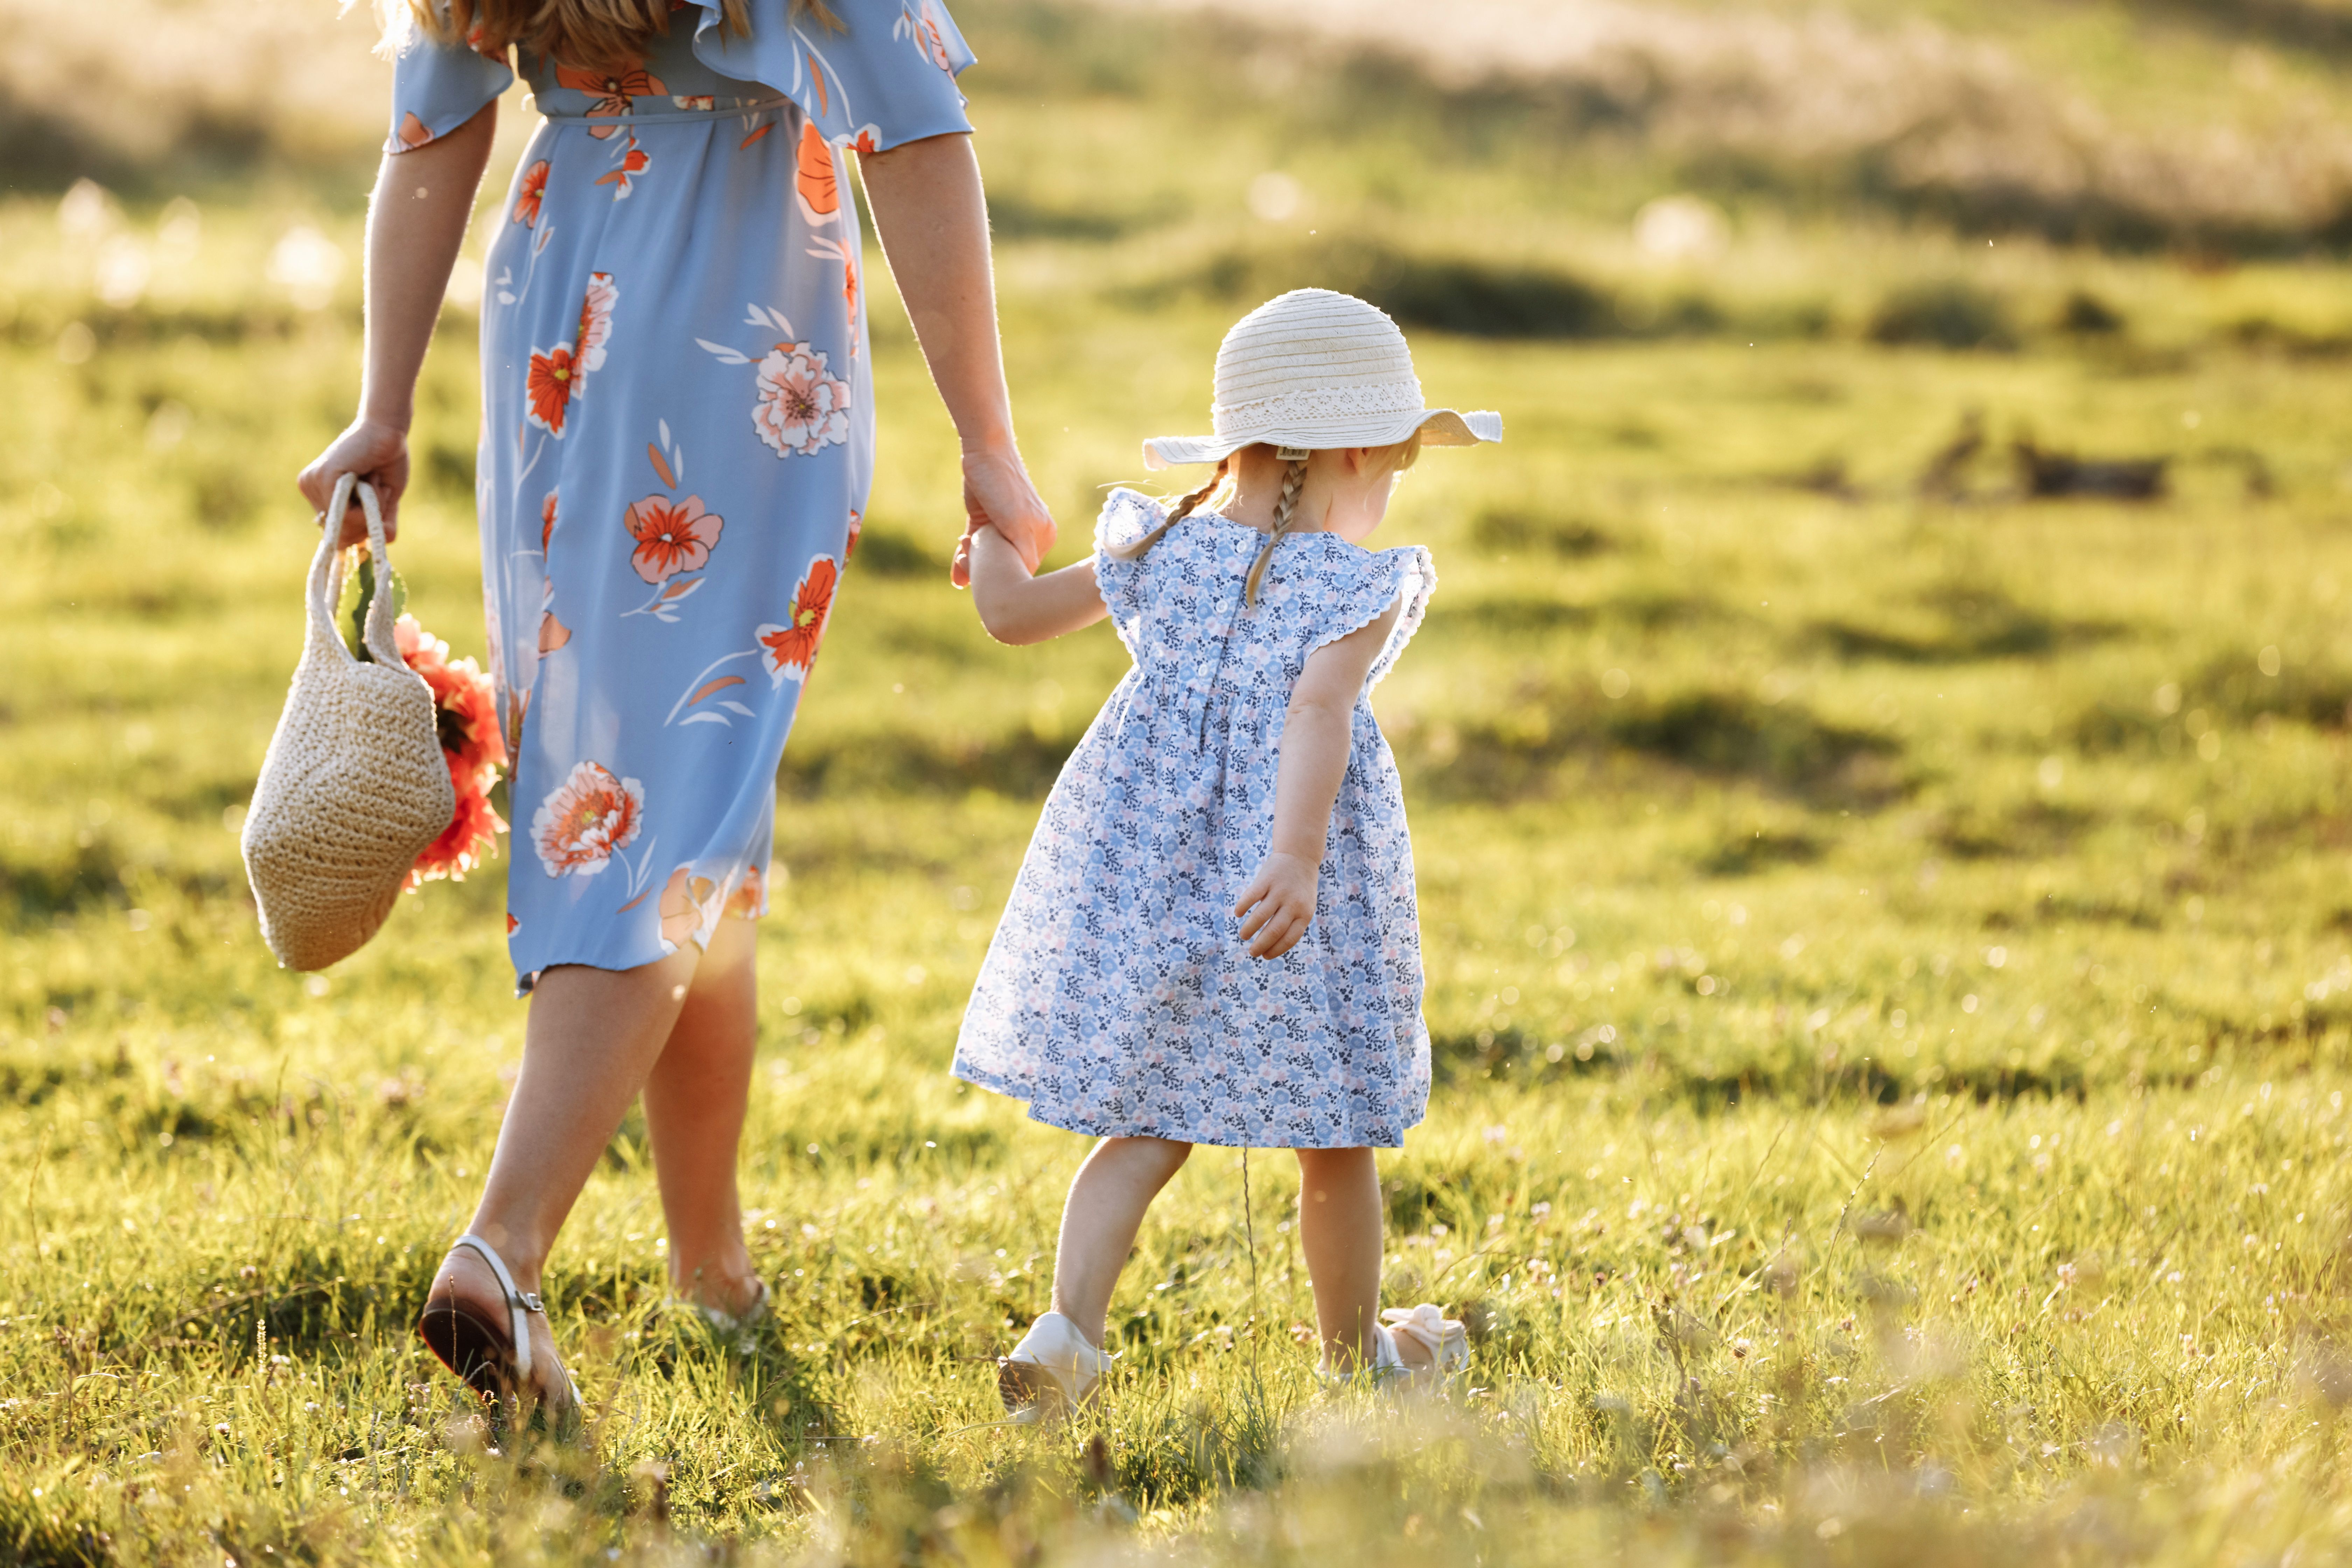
(326, 581)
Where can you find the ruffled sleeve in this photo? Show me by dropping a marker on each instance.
(886, 75)
(1378, 580)
(1127, 516)
(437, 87)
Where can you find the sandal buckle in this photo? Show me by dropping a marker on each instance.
(530, 1301)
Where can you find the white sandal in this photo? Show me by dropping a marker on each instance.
(495, 1360)
(737, 1328)
(736, 1322)
(1445, 1339)
(1053, 1371)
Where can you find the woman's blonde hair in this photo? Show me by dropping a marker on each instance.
(1395, 460)
(577, 32)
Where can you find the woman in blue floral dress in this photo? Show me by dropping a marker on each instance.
(676, 446)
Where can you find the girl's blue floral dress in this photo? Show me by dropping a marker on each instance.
(1117, 997)
(678, 439)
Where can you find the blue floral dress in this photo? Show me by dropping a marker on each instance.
(678, 440)
(1117, 997)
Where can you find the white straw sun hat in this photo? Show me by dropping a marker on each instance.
(1318, 369)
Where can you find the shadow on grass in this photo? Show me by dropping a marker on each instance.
(2036, 827)
(1524, 614)
(1961, 623)
(2225, 688)
(1719, 733)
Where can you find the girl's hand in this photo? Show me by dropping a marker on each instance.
(1279, 904)
(997, 494)
(376, 452)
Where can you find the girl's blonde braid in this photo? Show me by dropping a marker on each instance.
(1294, 475)
(1184, 509)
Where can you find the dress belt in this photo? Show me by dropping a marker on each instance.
(638, 116)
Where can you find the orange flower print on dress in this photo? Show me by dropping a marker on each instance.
(586, 819)
(635, 160)
(749, 899)
(597, 320)
(788, 650)
(857, 527)
(923, 25)
(803, 406)
(546, 521)
(534, 187)
(867, 141)
(672, 536)
(611, 89)
(685, 906)
(518, 709)
(551, 384)
(813, 180)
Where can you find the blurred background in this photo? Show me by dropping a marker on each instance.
(1887, 710)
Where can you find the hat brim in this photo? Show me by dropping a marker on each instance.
(1438, 428)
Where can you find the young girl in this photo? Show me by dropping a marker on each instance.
(1213, 938)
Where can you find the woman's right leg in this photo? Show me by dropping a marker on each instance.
(1107, 1199)
(593, 1036)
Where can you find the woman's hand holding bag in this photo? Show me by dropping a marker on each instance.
(355, 787)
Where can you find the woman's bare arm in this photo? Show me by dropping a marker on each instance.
(1279, 903)
(933, 223)
(1017, 608)
(417, 220)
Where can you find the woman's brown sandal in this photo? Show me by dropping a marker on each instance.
(494, 1359)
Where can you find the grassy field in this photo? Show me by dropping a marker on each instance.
(1890, 953)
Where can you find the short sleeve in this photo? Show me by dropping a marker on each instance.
(1405, 575)
(1127, 516)
(886, 75)
(436, 86)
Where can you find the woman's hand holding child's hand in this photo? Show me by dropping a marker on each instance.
(1278, 905)
(998, 494)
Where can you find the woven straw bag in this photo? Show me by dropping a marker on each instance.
(355, 787)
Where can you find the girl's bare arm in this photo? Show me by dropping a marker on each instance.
(1017, 608)
(1279, 902)
(933, 222)
(417, 220)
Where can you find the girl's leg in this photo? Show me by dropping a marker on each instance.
(592, 1037)
(696, 1096)
(1106, 1206)
(1339, 1232)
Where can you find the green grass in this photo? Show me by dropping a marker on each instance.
(1889, 954)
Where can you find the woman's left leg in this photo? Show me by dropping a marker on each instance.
(1339, 1232)
(696, 1097)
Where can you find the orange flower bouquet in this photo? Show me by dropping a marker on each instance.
(465, 713)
